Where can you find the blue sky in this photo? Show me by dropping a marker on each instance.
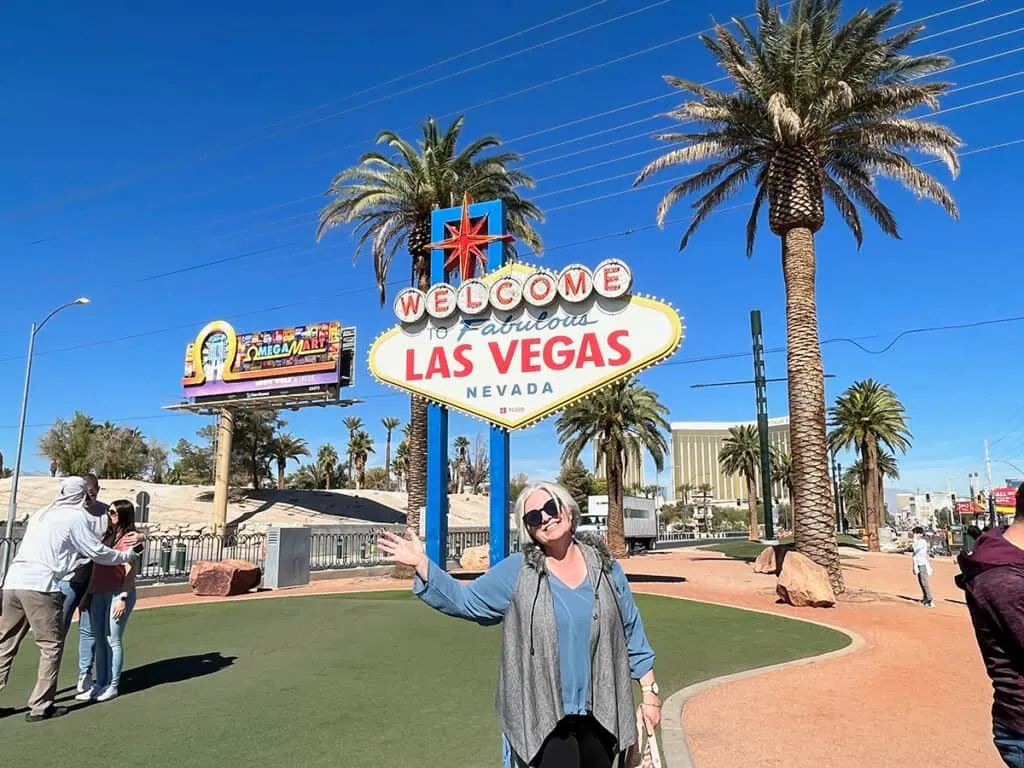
(145, 139)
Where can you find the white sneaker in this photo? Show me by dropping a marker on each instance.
(84, 683)
(108, 693)
(89, 695)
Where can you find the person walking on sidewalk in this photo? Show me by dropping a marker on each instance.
(923, 567)
(76, 585)
(992, 576)
(56, 540)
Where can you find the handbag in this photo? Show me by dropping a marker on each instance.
(645, 753)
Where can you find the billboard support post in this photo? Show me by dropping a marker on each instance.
(222, 476)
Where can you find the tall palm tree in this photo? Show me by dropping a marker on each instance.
(740, 455)
(400, 462)
(609, 419)
(866, 416)
(389, 199)
(782, 471)
(360, 446)
(461, 446)
(283, 447)
(353, 424)
(888, 468)
(684, 491)
(816, 109)
(390, 424)
(327, 462)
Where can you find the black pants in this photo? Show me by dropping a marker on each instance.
(577, 742)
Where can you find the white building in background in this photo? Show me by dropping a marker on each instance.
(695, 449)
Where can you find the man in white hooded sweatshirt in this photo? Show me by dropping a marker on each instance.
(58, 539)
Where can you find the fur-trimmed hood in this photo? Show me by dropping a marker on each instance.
(533, 555)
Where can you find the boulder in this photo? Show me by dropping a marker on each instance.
(803, 582)
(771, 559)
(224, 578)
(476, 558)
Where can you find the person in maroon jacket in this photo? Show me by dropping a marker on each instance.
(992, 576)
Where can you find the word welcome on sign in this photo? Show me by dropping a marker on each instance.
(521, 343)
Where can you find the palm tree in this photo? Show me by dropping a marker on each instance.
(353, 424)
(461, 446)
(866, 416)
(390, 424)
(853, 479)
(360, 446)
(609, 419)
(684, 491)
(389, 199)
(326, 462)
(741, 455)
(283, 447)
(401, 462)
(817, 109)
(782, 470)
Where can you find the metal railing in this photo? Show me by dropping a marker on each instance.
(170, 557)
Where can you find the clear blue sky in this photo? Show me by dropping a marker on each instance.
(143, 138)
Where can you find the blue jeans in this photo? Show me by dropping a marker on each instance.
(73, 594)
(1010, 745)
(109, 634)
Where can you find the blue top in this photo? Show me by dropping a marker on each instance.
(486, 599)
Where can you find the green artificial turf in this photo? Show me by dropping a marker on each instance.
(357, 680)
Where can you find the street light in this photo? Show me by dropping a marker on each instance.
(12, 504)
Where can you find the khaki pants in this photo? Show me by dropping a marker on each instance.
(40, 612)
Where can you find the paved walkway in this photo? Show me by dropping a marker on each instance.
(916, 695)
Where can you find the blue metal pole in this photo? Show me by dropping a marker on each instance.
(437, 436)
(499, 536)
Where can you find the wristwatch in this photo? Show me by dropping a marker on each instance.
(652, 688)
(123, 597)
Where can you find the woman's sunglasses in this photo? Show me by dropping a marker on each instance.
(535, 517)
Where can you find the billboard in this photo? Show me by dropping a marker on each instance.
(1006, 500)
(223, 365)
(522, 343)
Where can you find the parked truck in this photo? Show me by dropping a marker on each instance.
(639, 516)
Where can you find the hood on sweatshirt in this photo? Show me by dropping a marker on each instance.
(992, 550)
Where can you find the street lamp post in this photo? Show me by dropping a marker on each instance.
(12, 504)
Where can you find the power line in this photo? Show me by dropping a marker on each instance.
(590, 117)
(687, 361)
(89, 193)
(306, 301)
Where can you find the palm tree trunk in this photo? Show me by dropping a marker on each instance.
(387, 463)
(416, 472)
(616, 525)
(869, 454)
(755, 523)
(813, 529)
(280, 474)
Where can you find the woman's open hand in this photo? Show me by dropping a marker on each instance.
(407, 550)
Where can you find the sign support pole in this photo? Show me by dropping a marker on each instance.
(222, 476)
(500, 455)
(436, 525)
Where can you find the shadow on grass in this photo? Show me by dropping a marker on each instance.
(176, 670)
(654, 578)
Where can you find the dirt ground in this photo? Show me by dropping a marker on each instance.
(915, 695)
(190, 506)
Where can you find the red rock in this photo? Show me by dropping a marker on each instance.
(224, 578)
(804, 583)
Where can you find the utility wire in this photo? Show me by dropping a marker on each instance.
(578, 120)
(365, 289)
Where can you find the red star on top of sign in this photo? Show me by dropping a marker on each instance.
(465, 240)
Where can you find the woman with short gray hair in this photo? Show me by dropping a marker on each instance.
(572, 636)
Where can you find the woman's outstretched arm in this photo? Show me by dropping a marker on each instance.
(484, 600)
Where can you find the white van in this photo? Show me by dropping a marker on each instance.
(640, 518)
